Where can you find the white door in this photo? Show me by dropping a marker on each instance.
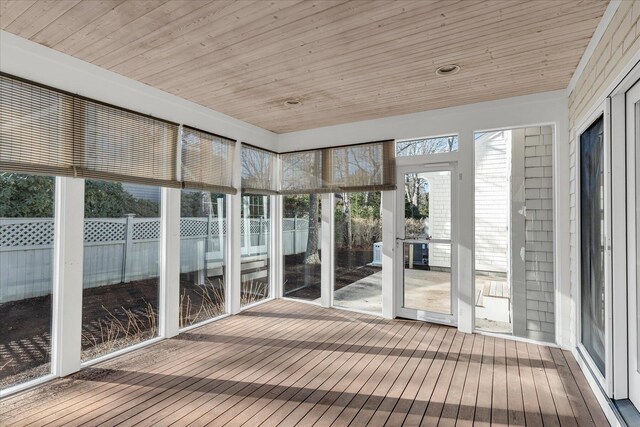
(426, 243)
(633, 182)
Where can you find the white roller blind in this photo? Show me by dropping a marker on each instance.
(46, 131)
(116, 144)
(363, 167)
(36, 129)
(301, 172)
(258, 170)
(207, 161)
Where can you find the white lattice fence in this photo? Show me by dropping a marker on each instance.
(124, 249)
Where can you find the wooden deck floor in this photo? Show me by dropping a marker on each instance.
(286, 363)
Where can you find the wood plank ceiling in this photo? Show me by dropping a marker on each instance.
(344, 60)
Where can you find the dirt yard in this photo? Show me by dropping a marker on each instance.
(351, 266)
(113, 317)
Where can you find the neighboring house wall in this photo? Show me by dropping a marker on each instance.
(538, 185)
(492, 158)
(439, 217)
(615, 50)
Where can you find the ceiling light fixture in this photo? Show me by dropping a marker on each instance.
(292, 102)
(447, 70)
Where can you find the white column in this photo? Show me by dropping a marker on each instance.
(169, 306)
(517, 235)
(276, 248)
(465, 223)
(233, 266)
(388, 250)
(67, 276)
(328, 250)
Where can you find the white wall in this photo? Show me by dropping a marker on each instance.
(492, 160)
(439, 217)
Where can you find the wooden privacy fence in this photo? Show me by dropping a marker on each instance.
(121, 250)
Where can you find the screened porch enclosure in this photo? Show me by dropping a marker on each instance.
(344, 212)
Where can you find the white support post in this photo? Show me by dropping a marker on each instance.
(517, 236)
(328, 250)
(466, 197)
(388, 246)
(67, 279)
(277, 259)
(234, 266)
(169, 306)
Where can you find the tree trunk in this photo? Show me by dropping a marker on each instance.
(312, 256)
(347, 219)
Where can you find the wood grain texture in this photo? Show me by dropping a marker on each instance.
(346, 60)
(287, 363)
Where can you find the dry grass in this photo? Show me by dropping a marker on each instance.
(253, 291)
(211, 304)
(115, 332)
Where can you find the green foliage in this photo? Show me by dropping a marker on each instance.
(26, 196)
(419, 212)
(365, 205)
(296, 206)
(190, 204)
(31, 196)
(106, 199)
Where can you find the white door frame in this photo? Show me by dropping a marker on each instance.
(633, 161)
(606, 380)
(401, 311)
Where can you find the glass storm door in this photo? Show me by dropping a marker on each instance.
(633, 153)
(426, 244)
(594, 257)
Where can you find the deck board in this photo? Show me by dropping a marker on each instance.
(286, 363)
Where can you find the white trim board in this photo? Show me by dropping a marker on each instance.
(593, 43)
(520, 111)
(32, 61)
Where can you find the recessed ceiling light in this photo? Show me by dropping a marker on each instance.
(447, 70)
(292, 102)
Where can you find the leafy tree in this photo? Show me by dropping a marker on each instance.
(106, 199)
(296, 206)
(32, 196)
(190, 204)
(26, 196)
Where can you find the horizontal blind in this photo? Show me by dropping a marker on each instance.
(36, 129)
(363, 167)
(115, 144)
(301, 172)
(258, 170)
(207, 161)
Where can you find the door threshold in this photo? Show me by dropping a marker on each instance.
(626, 412)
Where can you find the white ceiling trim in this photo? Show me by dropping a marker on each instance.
(527, 110)
(593, 43)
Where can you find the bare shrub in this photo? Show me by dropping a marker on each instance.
(365, 232)
(414, 227)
